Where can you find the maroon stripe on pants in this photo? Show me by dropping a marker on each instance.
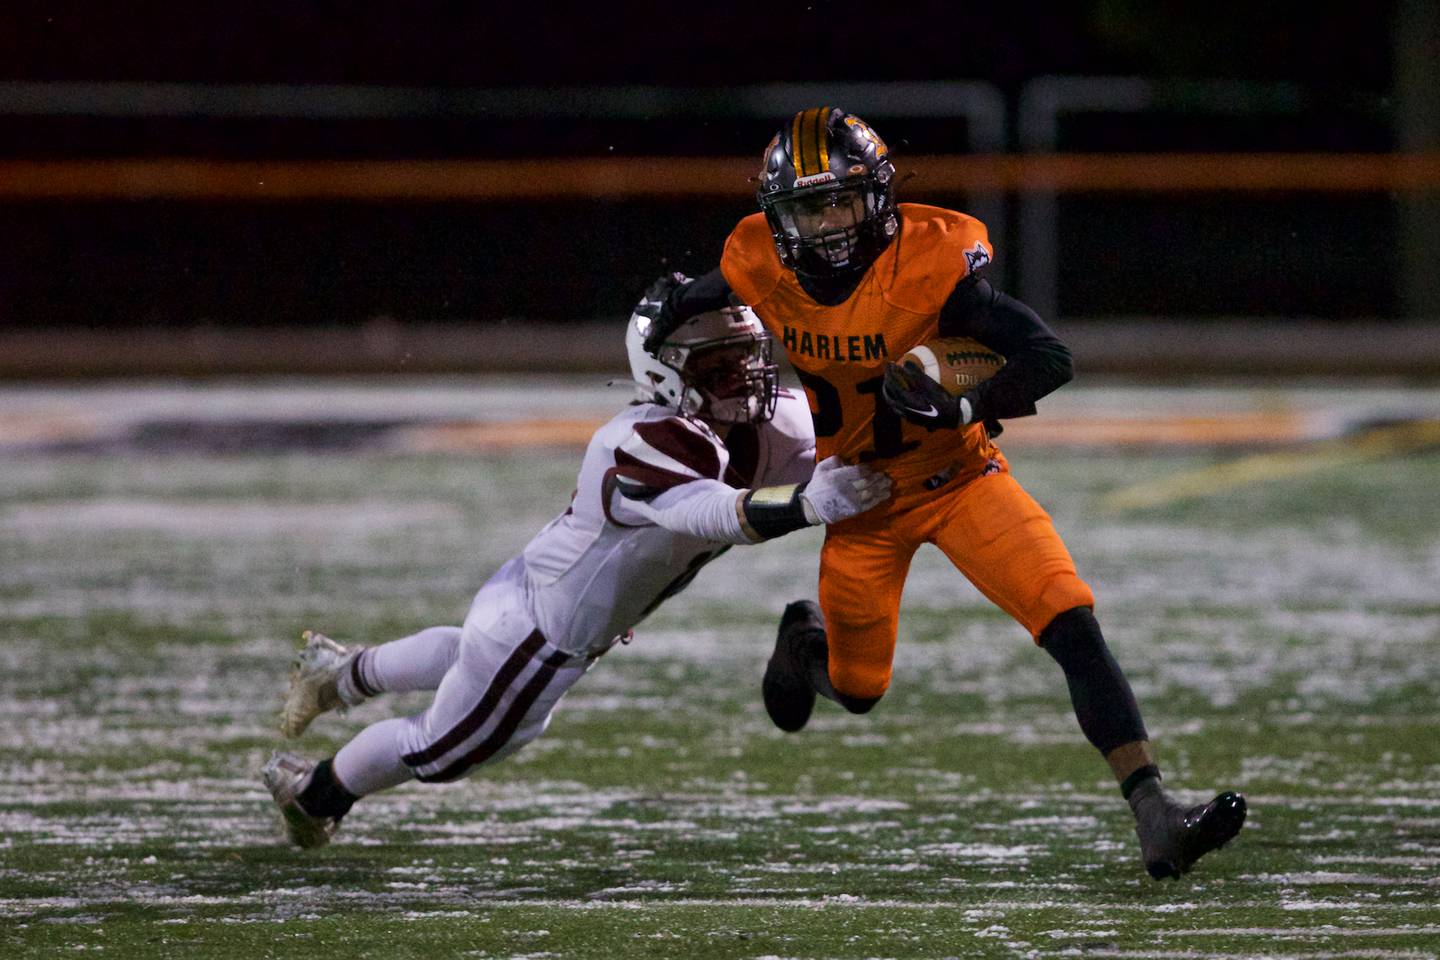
(506, 728)
(473, 720)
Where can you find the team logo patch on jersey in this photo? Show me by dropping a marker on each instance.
(991, 468)
(976, 257)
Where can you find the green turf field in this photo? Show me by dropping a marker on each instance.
(1283, 636)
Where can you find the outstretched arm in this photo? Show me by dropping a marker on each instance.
(675, 298)
(713, 510)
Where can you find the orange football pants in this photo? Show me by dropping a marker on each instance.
(990, 528)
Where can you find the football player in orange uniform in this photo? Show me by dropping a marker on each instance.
(847, 280)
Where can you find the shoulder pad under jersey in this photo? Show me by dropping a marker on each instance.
(661, 454)
(936, 249)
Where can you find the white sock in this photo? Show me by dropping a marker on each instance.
(416, 662)
(371, 761)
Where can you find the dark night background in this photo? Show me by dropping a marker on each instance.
(172, 262)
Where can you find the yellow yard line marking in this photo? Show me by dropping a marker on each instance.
(464, 437)
(1241, 427)
(45, 428)
(1264, 467)
(1244, 428)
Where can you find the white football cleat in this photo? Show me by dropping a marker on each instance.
(285, 774)
(314, 680)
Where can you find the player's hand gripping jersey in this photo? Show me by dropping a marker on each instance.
(839, 352)
(711, 453)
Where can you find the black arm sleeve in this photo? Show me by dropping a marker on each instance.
(1036, 362)
(708, 292)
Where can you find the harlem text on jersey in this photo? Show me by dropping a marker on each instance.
(825, 346)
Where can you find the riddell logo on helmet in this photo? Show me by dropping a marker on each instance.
(825, 177)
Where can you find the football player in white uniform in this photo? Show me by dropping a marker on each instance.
(710, 453)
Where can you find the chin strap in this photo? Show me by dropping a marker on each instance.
(692, 401)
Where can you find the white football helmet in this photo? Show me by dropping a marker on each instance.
(717, 366)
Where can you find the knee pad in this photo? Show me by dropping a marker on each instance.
(1104, 703)
(1074, 638)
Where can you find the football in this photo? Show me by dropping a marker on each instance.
(956, 363)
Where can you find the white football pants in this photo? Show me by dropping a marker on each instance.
(496, 682)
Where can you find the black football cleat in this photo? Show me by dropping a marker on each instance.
(1172, 838)
(787, 691)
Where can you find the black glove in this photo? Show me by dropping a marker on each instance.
(652, 307)
(917, 398)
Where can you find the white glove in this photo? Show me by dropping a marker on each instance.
(838, 491)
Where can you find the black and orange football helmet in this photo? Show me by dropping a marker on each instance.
(827, 189)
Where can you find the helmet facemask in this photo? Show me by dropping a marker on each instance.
(831, 229)
(718, 366)
(734, 381)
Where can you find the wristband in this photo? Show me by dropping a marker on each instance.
(770, 512)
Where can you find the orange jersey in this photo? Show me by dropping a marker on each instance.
(840, 352)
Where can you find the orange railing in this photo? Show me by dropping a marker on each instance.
(470, 180)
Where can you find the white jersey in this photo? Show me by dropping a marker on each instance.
(654, 502)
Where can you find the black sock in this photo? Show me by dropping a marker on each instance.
(323, 796)
(1147, 772)
(1104, 703)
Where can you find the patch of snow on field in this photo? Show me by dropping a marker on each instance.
(233, 518)
(980, 851)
